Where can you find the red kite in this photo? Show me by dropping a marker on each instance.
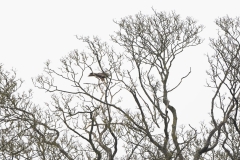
(101, 76)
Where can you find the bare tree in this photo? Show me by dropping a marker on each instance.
(27, 132)
(151, 44)
(126, 108)
(225, 74)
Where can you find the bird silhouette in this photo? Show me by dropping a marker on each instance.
(100, 76)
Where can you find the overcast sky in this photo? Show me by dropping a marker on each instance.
(33, 31)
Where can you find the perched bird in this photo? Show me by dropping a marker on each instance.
(101, 76)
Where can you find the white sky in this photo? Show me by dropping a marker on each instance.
(33, 31)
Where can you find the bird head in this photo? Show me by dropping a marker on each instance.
(91, 74)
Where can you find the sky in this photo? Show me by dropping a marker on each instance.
(32, 32)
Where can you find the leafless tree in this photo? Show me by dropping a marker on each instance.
(224, 73)
(126, 107)
(27, 132)
(151, 44)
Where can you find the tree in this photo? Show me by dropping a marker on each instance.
(224, 75)
(27, 132)
(93, 120)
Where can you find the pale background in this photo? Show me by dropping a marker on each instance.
(33, 31)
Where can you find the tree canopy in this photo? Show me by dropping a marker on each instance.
(94, 120)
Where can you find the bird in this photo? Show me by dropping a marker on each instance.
(100, 76)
